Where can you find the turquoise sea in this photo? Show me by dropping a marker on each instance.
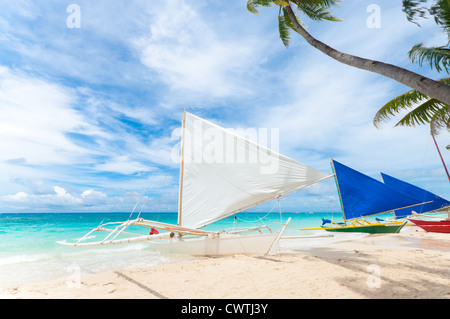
(29, 253)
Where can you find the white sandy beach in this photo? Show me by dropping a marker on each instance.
(412, 264)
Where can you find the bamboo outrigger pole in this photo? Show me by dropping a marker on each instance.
(180, 198)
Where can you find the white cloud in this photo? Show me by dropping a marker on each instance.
(194, 55)
(36, 148)
(59, 198)
(91, 197)
(126, 198)
(123, 165)
(35, 116)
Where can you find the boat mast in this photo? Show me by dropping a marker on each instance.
(180, 198)
(337, 187)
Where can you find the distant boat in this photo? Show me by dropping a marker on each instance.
(432, 224)
(361, 196)
(436, 222)
(212, 189)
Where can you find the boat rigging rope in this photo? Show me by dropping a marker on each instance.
(260, 218)
(139, 200)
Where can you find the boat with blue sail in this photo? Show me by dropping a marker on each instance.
(362, 196)
(428, 216)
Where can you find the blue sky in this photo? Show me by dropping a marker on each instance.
(87, 114)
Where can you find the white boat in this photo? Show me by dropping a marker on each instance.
(221, 174)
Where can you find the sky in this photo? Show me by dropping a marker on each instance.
(92, 94)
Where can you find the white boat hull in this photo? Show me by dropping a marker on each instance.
(223, 245)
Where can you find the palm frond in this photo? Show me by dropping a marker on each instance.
(445, 15)
(437, 57)
(253, 4)
(281, 3)
(441, 12)
(283, 28)
(422, 114)
(412, 9)
(325, 3)
(445, 80)
(440, 120)
(426, 110)
(317, 11)
(397, 104)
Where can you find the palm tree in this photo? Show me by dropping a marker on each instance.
(425, 109)
(318, 10)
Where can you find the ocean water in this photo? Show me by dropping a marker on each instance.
(29, 253)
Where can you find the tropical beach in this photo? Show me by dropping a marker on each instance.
(412, 264)
(206, 150)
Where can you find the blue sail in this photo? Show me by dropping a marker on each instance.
(362, 195)
(416, 192)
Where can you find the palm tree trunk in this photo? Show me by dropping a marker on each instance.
(413, 80)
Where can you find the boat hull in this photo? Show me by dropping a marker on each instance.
(432, 226)
(226, 245)
(368, 228)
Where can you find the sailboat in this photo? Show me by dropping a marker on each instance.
(221, 174)
(361, 196)
(432, 224)
(436, 222)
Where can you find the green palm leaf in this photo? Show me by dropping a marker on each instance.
(440, 120)
(283, 29)
(325, 3)
(397, 104)
(253, 4)
(316, 11)
(422, 114)
(435, 56)
(442, 14)
(426, 110)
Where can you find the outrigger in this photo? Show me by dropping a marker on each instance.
(363, 226)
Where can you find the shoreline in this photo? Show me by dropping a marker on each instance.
(408, 265)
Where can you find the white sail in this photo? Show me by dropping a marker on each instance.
(220, 174)
(224, 173)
